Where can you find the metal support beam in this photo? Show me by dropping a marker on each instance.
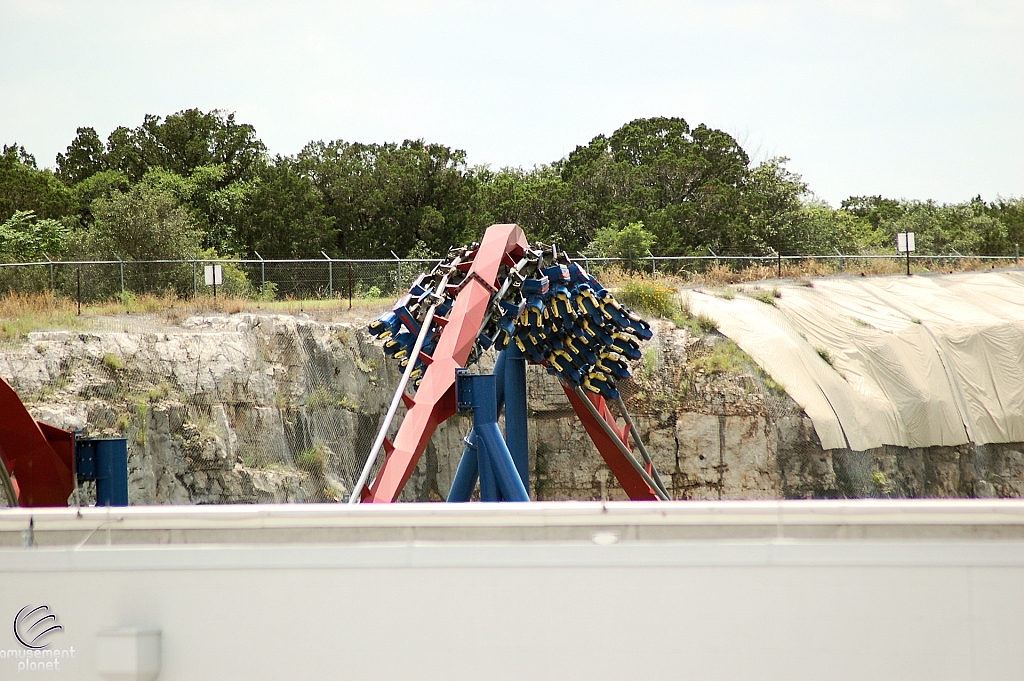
(382, 434)
(621, 445)
(516, 425)
(469, 471)
(600, 425)
(104, 460)
(499, 479)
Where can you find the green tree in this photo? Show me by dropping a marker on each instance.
(24, 238)
(632, 243)
(1009, 212)
(538, 200)
(283, 216)
(95, 186)
(386, 197)
(185, 141)
(216, 207)
(773, 202)
(873, 208)
(85, 157)
(684, 184)
(965, 228)
(142, 223)
(24, 187)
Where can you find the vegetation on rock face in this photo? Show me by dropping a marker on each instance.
(196, 181)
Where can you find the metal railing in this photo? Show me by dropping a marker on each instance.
(322, 278)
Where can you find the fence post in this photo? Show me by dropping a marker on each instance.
(714, 254)
(398, 268)
(1016, 254)
(842, 265)
(78, 276)
(195, 283)
(122, 275)
(330, 275)
(350, 286)
(51, 271)
(263, 276)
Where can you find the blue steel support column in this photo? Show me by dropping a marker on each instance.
(516, 428)
(497, 456)
(499, 479)
(104, 460)
(466, 475)
(112, 472)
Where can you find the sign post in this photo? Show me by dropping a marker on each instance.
(905, 244)
(214, 275)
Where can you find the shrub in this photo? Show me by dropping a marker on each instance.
(706, 324)
(648, 296)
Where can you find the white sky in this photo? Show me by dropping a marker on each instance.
(912, 99)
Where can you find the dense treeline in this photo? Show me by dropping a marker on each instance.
(202, 184)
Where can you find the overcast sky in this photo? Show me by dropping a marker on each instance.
(912, 99)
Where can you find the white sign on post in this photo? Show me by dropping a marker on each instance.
(905, 242)
(214, 275)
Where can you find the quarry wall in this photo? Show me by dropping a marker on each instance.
(251, 408)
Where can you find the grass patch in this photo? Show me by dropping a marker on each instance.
(112, 362)
(650, 363)
(158, 393)
(321, 397)
(701, 324)
(141, 410)
(827, 356)
(311, 460)
(766, 297)
(705, 323)
(22, 313)
(725, 357)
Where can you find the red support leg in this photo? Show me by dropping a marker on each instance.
(37, 455)
(621, 468)
(435, 400)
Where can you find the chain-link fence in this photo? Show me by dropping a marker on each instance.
(99, 280)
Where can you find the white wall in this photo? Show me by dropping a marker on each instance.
(716, 608)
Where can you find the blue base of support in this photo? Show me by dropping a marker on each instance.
(499, 477)
(469, 466)
(104, 460)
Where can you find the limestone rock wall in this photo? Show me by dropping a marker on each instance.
(277, 408)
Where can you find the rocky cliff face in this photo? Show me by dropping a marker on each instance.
(272, 408)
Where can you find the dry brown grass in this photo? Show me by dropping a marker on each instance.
(22, 313)
(718, 274)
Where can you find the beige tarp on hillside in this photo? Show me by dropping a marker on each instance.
(918, 362)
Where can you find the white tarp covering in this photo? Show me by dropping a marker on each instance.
(916, 362)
